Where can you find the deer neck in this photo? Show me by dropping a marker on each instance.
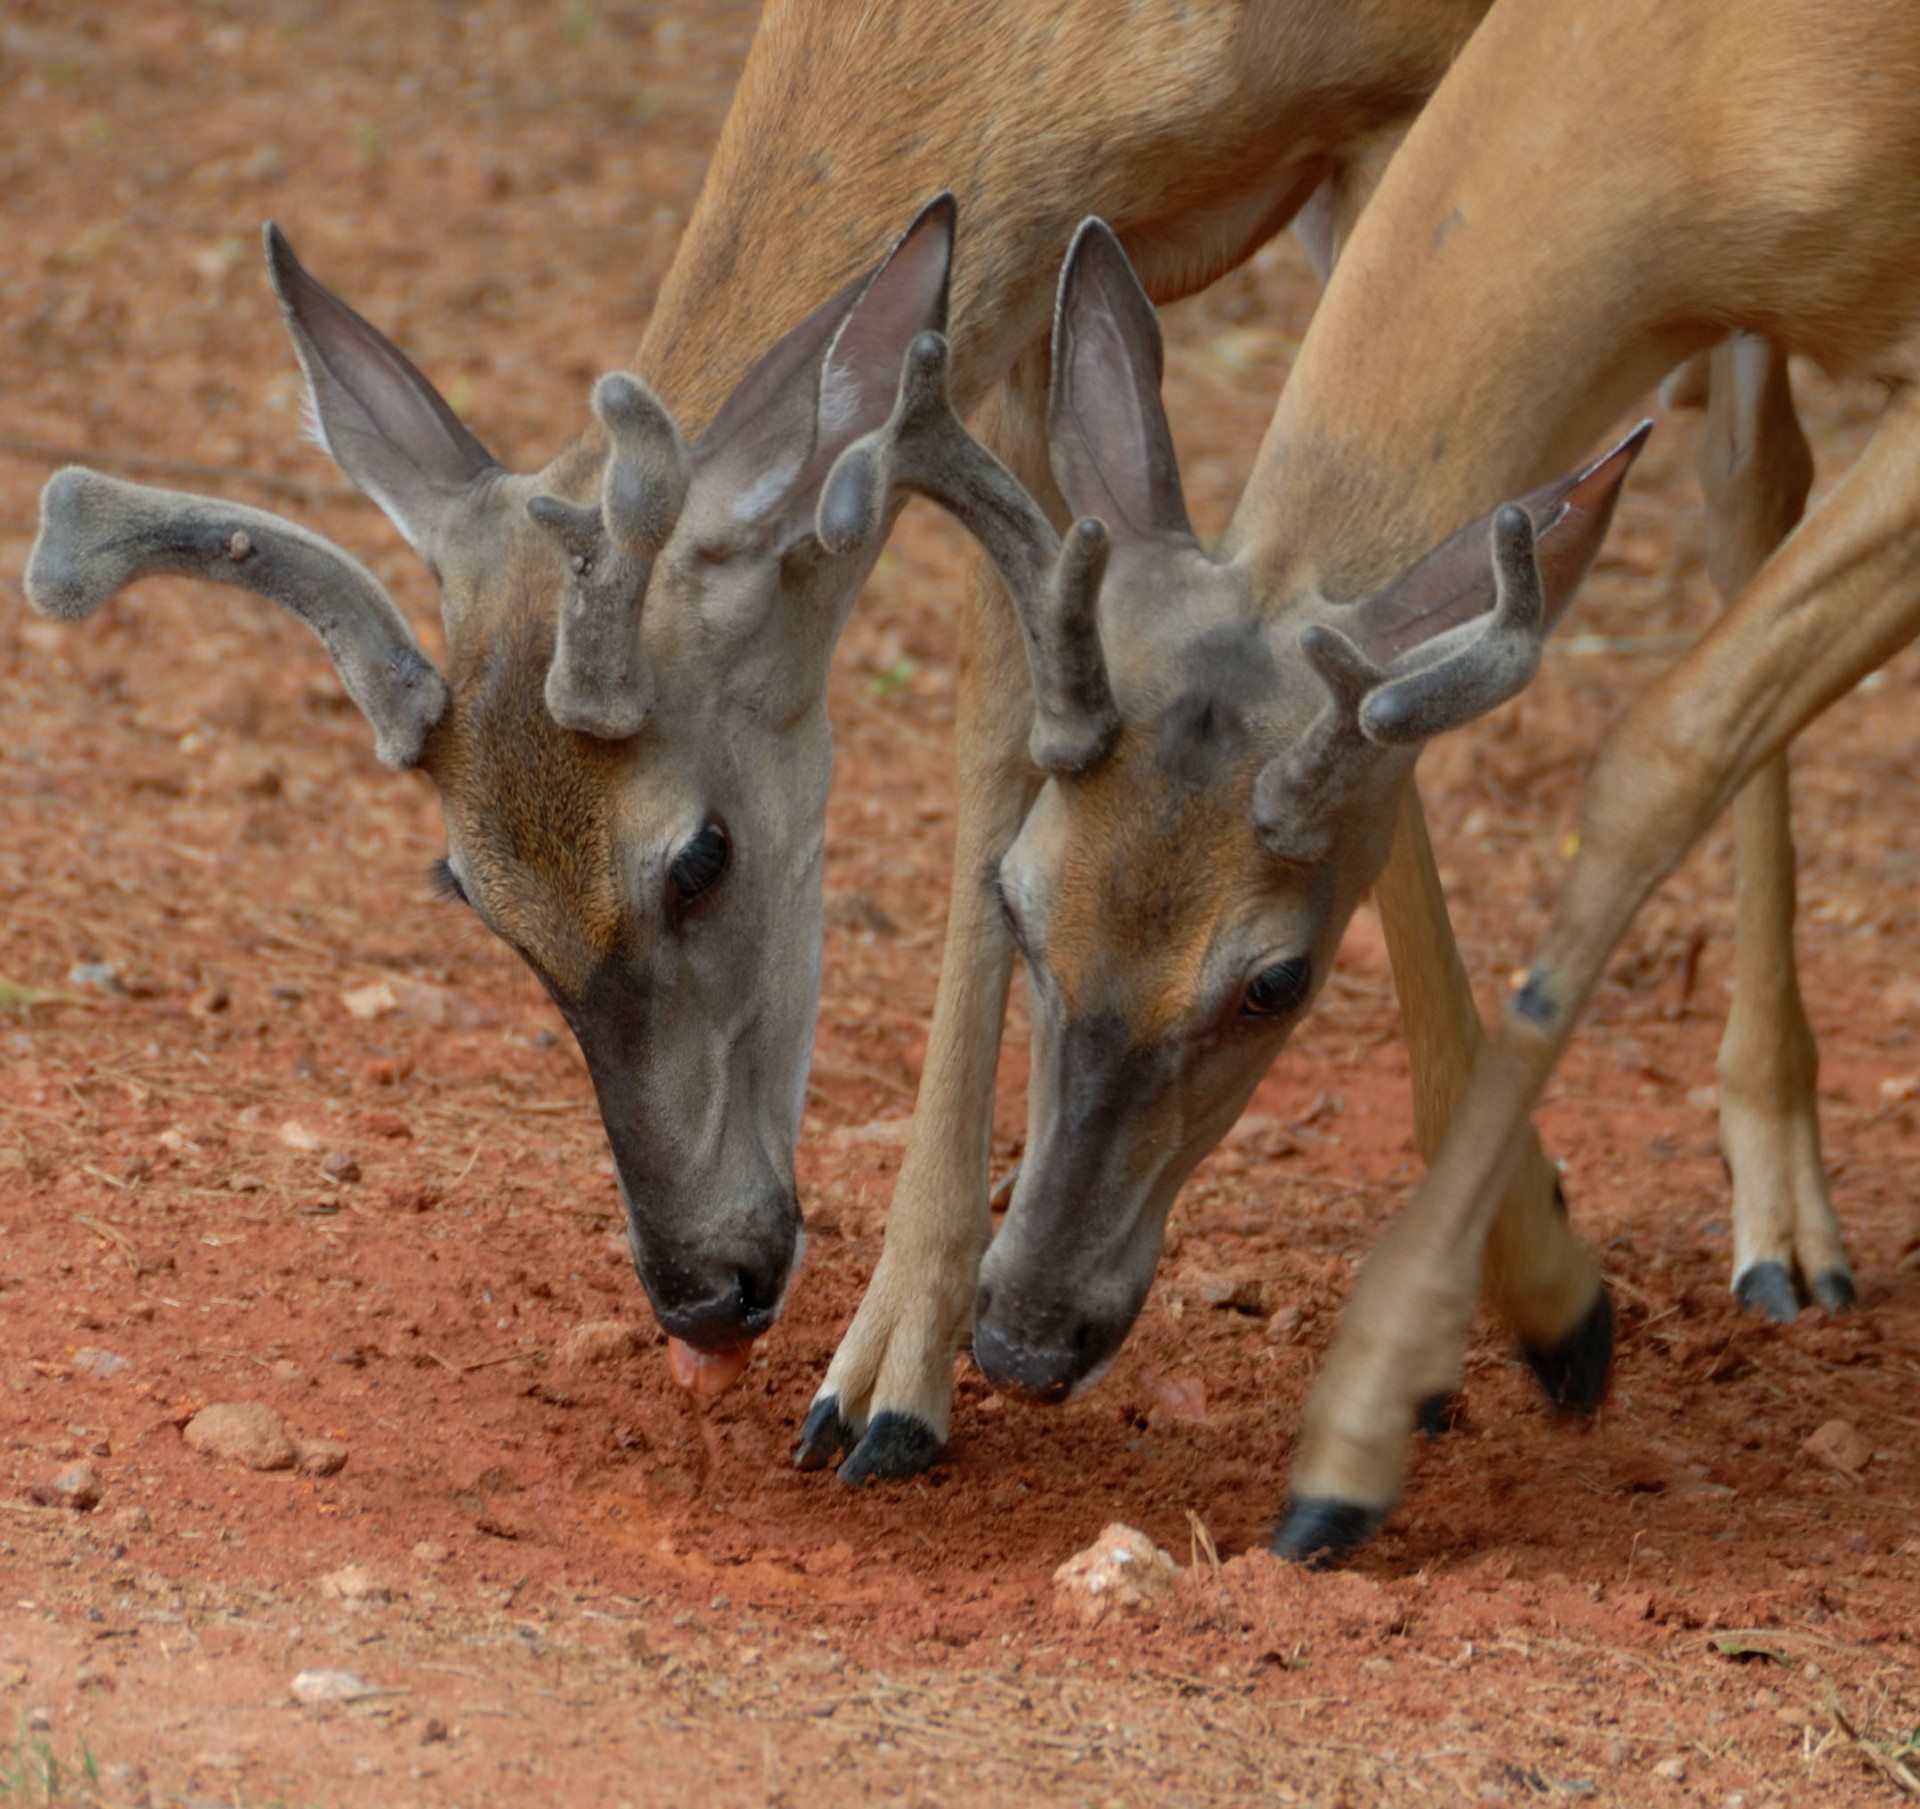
(1197, 129)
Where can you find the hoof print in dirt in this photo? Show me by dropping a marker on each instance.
(1318, 1530)
(1441, 1413)
(1575, 1372)
(1834, 1290)
(1768, 1288)
(824, 1434)
(894, 1447)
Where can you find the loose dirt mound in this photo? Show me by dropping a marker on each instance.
(283, 1130)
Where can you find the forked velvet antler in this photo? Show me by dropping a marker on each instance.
(924, 448)
(98, 534)
(1478, 660)
(598, 683)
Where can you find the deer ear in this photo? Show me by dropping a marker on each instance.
(1112, 450)
(383, 423)
(1456, 582)
(829, 381)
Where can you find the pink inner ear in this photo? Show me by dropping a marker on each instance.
(1454, 582)
(907, 297)
(1112, 449)
(403, 408)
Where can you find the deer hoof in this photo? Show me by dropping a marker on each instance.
(1441, 1413)
(824, 1434)
(893, 1447)
(1768, 1288)
(1575, 1371)
(1834, 1290)
(1318, 1531)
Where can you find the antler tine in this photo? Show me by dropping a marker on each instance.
(648, 470)
(598, 683)
(98, 534)
(925, 448)
(1296, 792)
(1480, 664)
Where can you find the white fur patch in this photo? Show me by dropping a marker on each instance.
(767, 489)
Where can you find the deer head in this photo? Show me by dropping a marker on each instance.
(630, 742)
(1223, 770)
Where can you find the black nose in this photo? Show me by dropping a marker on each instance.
(1046, 1363)
(726, 1303)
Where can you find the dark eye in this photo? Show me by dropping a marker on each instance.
(443, 882)
(1274, 991)
(699, 863)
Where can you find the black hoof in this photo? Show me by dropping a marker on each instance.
(1768, 1288)
(823, 1436)
(1575, 1372)
(1440, 1413)
(1318, 1531)
(1833, 1289)
(894, 1447)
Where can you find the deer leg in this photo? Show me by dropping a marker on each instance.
(1837, 600)
(1756, 471)
(1538, 1275)
(888, 1393)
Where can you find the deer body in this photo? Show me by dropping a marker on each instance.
(1809, 237)
(1590, 197)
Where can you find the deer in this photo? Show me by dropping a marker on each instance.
(1583, 206)
(671, 902)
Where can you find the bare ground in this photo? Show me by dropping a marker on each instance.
(573, 1587)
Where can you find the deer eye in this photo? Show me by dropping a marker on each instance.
(699, 864)
(1274, 991)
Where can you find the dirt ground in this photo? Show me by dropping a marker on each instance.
(217, 1183)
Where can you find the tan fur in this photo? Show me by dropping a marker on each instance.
(1540, 251)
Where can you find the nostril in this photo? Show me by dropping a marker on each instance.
(1086, 1339)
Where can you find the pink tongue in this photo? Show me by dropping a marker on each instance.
(706, 1373)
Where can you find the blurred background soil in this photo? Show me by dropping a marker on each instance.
(293, 1132)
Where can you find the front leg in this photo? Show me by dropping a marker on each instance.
(889, 1391)
(1756, 470)
(1835, 602)
(1537, 1275)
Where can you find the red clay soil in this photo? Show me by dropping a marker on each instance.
(219, 1184)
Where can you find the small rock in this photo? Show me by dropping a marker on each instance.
(1674, 1768)
(354, 1583)
(73, 1486)
(340, 1165)
(321, 1456)
(434, 1732)
(99, 975)
(429, 1551)
(316, 1687)
(1840, 1444)
(39, 1721)
(242, 1432)
(370, 1001)
(1181, 1397)
(132, 1520)
(102, 1365)
(210, 1001)
(599, 1341)
(1123, 1571)
(296, 1135)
